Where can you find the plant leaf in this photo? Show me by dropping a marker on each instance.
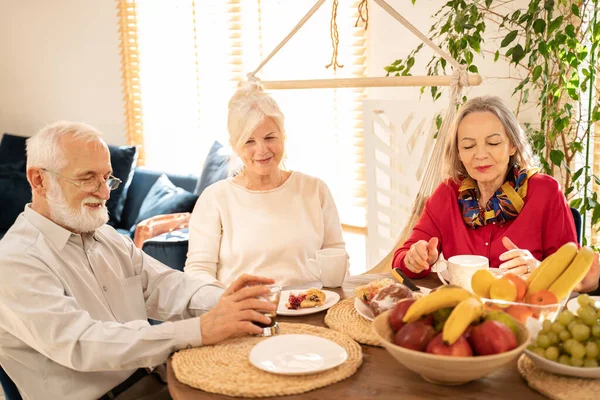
(509, 38)
(537, 71)
(557, 157)
(554, 25)
(539, 25)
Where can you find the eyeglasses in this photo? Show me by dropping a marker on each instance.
(89, 185)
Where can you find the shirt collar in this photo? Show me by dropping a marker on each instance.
(55, 233)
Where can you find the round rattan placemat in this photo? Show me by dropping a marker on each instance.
(225, 368)
(344, 318)
(558, 387)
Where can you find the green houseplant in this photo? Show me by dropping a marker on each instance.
(554, 47)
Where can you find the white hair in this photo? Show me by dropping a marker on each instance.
(44, 149)
(248, 108)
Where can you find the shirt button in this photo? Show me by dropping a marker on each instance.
(486, 243)
(105, 288)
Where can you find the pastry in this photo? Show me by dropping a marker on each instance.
(309, 299)
(387, 297)
(368, 291)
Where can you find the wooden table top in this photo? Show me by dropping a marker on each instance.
(381, 376)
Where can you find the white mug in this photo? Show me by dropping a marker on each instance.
(329, 266)
(461, 269)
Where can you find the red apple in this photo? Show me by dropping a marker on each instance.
(460, 348)
(398, 312)
(492, 337)
(415, 335)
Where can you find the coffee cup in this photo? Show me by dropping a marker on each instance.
(461, 269)
(330, 266)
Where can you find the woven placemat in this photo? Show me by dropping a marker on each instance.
(226, 369)
(344, 318)
(558, 387)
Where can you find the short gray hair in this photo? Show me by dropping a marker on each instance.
(44, 149)
(454, 168)
(248, 108)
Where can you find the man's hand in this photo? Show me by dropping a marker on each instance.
(421, 255)
(238, 307)
(517, 261)
(590, 281)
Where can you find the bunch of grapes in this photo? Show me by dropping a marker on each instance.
(572, 339)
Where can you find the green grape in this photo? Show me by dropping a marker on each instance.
(564, 359)
(577, 351)
(587, 315)
(539, 351)
(581, 332)
(552, 353)
(587, 363)
(576, 362)
(584, 300)
(564, 335)
(546, 326)
(596, 330)
(592, 350)
(571, 325)
(566, 317)
(553, 337)
(568, 345)
(557, 327)
(543, 341)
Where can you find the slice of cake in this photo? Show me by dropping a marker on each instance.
(309, 299)
(370, 290)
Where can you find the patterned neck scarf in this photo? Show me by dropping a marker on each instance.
(504, 205)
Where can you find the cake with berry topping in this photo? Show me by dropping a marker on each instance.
(309, 299)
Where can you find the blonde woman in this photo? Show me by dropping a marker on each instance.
(264, 220)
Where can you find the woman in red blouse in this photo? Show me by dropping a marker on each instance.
(494, 204)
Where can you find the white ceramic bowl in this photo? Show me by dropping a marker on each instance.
(446, 370)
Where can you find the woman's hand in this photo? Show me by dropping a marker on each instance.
(590, 281)
(421, 255)
(517, 261)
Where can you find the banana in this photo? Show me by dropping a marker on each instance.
(434, 301)
(460, 318)
(555, 267)
(536, 271)
(573, 274)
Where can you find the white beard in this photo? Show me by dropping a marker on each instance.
(83, 219)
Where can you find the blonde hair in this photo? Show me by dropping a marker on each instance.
(248, 108)
(523, 156)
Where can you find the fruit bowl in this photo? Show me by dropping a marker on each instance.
(446, 370)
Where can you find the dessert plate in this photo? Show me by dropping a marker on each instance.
(297, 354)
(573, 305)
(331, 298)
(363, 310)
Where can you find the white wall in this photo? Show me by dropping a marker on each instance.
(60, 59)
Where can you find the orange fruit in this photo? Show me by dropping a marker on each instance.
(519, 312)
(520, 283)
(481, 281)
(541, 297)
(503, 289)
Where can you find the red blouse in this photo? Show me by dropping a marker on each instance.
(544, 224)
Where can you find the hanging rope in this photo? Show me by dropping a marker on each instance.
(363, 14)
(335, 37)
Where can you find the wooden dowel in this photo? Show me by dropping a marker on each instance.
(474, 80)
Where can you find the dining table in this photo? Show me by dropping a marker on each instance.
(382, 377)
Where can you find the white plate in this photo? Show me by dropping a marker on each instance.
(297, 354)
(330, 299)
(363, 309)
(561, 369)
(573, 305)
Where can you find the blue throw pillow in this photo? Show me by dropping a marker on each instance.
(15, 192)
(166, 198)
(216, 167)
(123, 160)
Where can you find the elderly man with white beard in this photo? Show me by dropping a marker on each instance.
(75, 295)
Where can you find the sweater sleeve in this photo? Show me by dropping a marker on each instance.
(558, 226)
(205, 236)
(332, 228)
(426, 228)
